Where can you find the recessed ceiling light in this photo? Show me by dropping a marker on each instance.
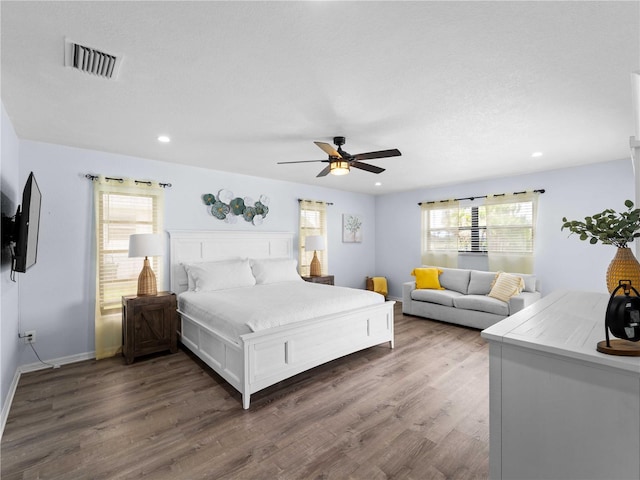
(536, 154)
(377, 184)
(164, 139)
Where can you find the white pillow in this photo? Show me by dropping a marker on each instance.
(506, 286)
(274, 270)
(220, 275)
(191, 283)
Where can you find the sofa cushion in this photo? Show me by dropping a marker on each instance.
(529, 281)
(506, 286)
(427, 277)
(481, 303)
(441, 297)
(455, 279)
(480, 282)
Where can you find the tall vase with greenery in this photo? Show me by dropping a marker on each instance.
(617, 229)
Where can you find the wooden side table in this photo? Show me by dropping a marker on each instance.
(149, 324)
(326, 279)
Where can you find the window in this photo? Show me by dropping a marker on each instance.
(313, 221)
(472, 229)
(119, 216)
(440, 222)
(441, 232)
(511, 228)
(510, 225)
(121, 208)
(511, 221)
(502, 226)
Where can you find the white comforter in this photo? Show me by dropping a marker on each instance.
(237, 311)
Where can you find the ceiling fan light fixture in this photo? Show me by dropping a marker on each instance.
(339, 167)
(340, 162)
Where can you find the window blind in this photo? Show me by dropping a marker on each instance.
(440, 227)
(440, 222)
(472, 232)
(122, 215)
(510, 226)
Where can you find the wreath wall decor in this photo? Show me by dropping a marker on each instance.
(225, 206)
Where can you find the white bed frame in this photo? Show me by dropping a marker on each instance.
(260, 359)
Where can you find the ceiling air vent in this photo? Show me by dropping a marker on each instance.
(91, 60)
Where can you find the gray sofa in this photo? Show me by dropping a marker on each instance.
(464, 300)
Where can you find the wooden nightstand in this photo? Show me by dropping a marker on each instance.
(326, 279)
(149, 324)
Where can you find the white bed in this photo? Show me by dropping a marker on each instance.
(251, 356)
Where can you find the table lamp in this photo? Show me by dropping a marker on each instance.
(146, 245)
(315, 243)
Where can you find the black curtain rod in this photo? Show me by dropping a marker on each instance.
(120, 180)
(314, 201)
(540, 190)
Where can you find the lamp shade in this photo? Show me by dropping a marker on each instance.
(339, 167)
(314, 242)
(145, 245)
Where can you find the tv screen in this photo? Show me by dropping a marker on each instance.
(27, 225)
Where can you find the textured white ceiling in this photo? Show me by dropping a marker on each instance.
(465, 90)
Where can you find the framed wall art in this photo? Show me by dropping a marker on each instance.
(351, 228)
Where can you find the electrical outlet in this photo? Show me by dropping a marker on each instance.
(30, 336)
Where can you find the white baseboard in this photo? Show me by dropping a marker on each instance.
(32, 367)
(8, 401)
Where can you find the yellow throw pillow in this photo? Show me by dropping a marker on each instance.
(505, 286)
(427, 278)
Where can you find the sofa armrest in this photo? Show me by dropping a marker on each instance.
(407, 288)
(522, 301)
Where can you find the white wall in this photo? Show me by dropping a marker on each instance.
(57, 294)
(9, 346)
(561, 261)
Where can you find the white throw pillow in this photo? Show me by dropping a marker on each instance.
(191, 283)
(505, 286)
(274, 270)
(220, 275)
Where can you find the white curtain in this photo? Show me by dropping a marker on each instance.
(440, 222)
(122, 208)
(511, 221)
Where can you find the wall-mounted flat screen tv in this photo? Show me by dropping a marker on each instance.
(27, 226)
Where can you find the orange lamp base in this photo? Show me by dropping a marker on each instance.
(315, 269)
(147, 280)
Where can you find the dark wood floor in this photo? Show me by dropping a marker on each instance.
(419, 411)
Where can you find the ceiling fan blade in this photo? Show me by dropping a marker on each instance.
(394, 152)
(328, 149)
(324, 172)
(303, 161)
(367, 167)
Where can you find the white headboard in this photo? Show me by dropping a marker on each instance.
(191, 246)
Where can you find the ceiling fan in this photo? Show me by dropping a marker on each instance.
(340, 161)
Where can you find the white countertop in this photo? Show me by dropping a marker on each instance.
(564, 323)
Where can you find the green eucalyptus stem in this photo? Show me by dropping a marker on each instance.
(608, 226)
